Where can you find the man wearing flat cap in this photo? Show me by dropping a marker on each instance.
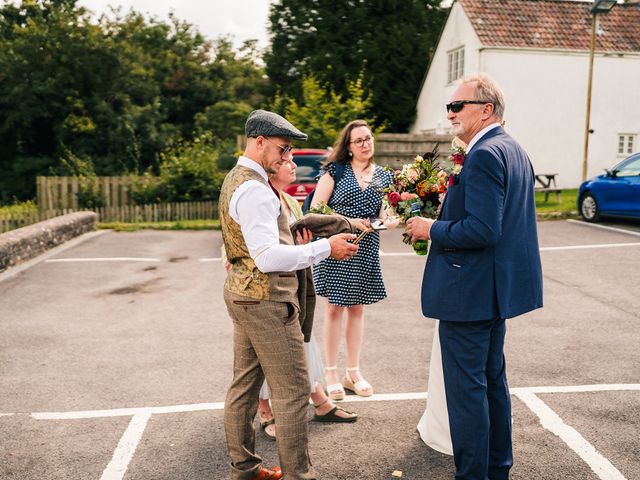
(261, 296)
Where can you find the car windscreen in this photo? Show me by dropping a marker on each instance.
(629, 167)
(308, 167)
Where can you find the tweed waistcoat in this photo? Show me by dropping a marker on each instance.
(244, 278)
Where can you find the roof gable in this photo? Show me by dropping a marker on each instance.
(552, 24)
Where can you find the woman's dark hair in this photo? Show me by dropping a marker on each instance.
(340, 152)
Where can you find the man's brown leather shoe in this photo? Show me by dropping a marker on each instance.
(269, 474)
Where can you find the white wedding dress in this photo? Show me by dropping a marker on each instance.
(434, 424)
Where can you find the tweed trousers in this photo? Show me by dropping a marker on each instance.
(268, 342)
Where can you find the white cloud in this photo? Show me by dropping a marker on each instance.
(245, 19)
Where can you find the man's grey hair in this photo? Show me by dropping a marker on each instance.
(488, 90)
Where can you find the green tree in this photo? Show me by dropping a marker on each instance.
(115, 92)
(391, 40)
(42, 46)
(322, 113)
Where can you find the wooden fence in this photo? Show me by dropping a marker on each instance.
(392, 149)
(159, 212)
(62, 192)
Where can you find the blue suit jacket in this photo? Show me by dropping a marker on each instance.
(484, 260)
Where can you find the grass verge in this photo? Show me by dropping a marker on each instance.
(550, 210)
(554, 210)
(179, 225)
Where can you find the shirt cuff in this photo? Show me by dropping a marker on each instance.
(322, 250)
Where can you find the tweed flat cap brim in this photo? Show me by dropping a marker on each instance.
(269, 124)
(324, 225)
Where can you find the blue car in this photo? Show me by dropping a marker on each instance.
(614, 194)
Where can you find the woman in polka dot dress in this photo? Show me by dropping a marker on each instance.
(351, 284)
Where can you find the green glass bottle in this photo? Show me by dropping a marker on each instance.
(421, 247)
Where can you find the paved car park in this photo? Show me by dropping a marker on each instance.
(115, 353)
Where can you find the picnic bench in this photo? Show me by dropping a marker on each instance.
(547, 186)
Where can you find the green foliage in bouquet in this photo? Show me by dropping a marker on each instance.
(422, 182)
(321, 208)
(418, 190)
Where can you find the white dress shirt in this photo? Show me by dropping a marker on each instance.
(256, 208)
(479, 135)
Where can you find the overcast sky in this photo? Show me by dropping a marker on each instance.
(244, 19)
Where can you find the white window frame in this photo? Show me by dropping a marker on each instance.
(626, 144)
(455, 64)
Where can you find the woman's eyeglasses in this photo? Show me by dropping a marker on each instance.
(458, 105)
(284, 149)
(360, 141)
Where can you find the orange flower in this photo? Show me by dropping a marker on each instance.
(420, 188)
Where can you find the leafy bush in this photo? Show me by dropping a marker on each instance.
(28, 206)
(88, 191)
(188, 172)
(322, 113)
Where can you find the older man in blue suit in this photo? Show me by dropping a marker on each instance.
(483, 267)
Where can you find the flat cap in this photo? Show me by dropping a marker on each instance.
(269, 124)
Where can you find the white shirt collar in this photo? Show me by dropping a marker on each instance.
(479, 135)
(253, 165)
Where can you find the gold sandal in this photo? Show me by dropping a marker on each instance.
(361, 387)
(335, 391)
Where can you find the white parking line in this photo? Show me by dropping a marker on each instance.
(125, 412)
(102, 259)
(548, 418)
(543, 249)
(552, 422)
(605, 227)
(382, 254)
(196, 407)
(50, 253)
(126, 448)
(584, 247)
(598, 387)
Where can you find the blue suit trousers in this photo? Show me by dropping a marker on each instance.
(477, 398)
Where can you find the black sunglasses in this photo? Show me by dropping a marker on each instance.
(284, 149)
(458, 105)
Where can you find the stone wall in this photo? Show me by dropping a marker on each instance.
(396, 149)
(25, 243)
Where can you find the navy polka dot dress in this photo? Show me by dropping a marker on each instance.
(357, 281)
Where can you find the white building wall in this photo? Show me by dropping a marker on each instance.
(431, 114)
(546, 94)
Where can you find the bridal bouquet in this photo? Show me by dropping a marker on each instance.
(418, 188)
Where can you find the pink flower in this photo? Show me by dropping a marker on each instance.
(407, 196)
(412, 174)
(394, 198)
(458, 158)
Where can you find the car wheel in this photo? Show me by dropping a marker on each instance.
(589, 208)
